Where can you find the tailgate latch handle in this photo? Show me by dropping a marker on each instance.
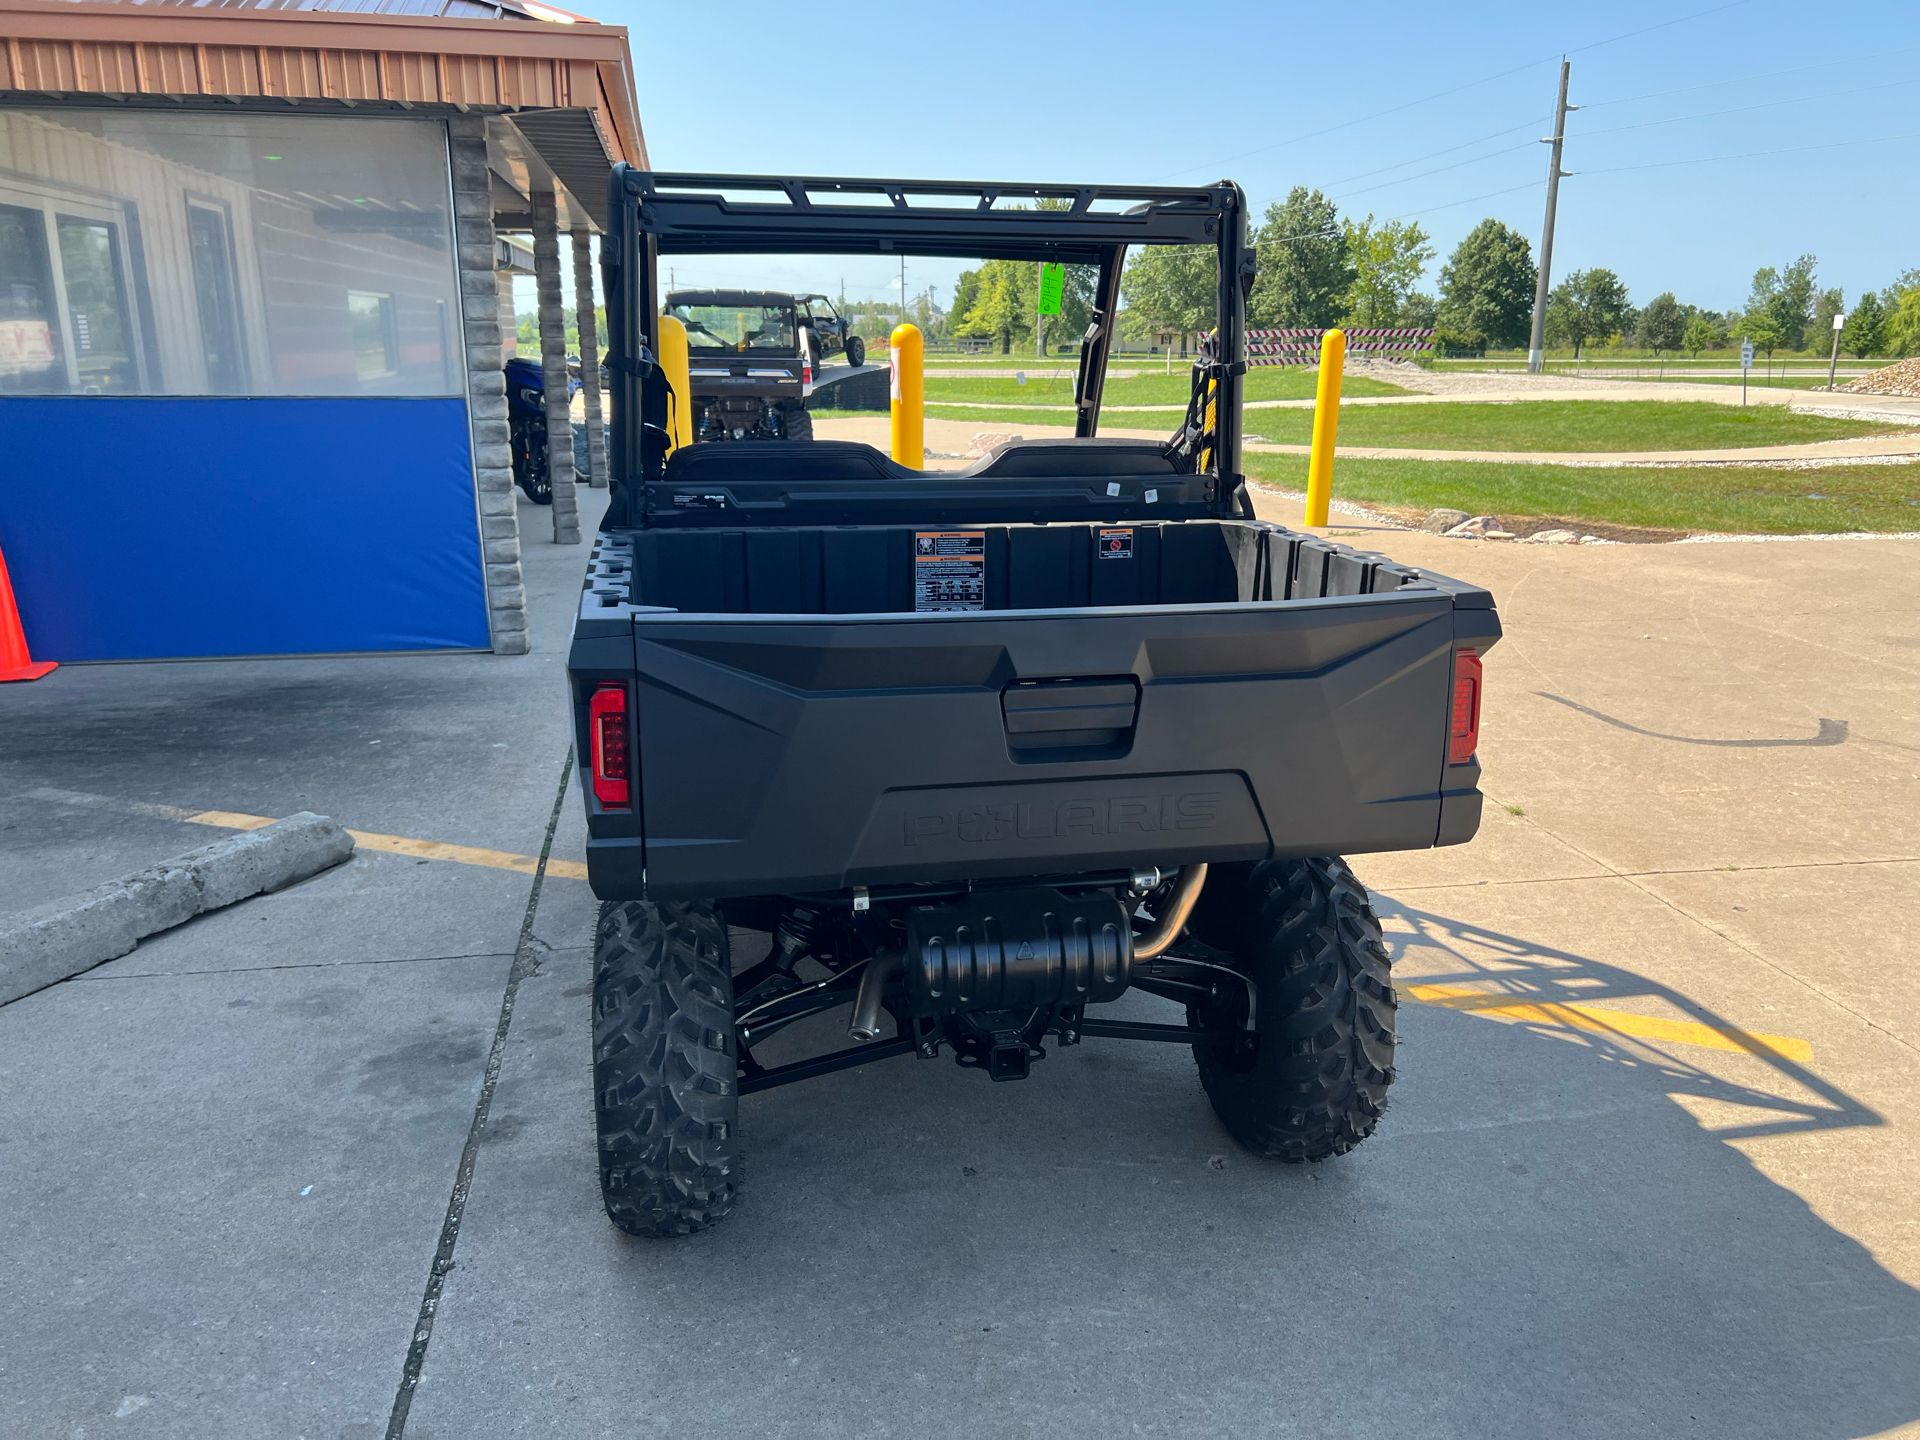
(1070, 719)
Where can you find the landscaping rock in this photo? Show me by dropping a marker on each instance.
(1553, 537)
(1900, 378)
(1477, 528)
(1439, 522)
(985, 442)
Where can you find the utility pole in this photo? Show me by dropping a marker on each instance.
(903, 288)
(1536, 353)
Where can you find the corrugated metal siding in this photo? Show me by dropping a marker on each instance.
(247, 49)
(444, 9)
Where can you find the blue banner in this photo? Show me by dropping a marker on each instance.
(177, 527)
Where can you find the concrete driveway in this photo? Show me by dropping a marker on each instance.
(1649, 1167)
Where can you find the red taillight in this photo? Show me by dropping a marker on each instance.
(1464, 738)
(607, 738)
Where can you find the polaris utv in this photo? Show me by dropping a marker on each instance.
(967, 756)
(832, 335)
(755, 358)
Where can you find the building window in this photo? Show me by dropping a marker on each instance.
(376, 346)
(216, 291)
(194, 253)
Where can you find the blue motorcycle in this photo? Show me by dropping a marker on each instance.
(527, 427)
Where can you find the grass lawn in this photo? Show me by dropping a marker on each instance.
(1587, 426)
(1759, 381)
(1262, 384)
(1737, 499)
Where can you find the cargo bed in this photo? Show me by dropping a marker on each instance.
(818, 707)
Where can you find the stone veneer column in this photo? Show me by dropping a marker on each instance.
(589, 358)
(553, 364)
(487, 386)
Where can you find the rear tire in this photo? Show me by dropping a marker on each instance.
(665, 1087)
(1312, 1082)
(856, 351)
(798, 423)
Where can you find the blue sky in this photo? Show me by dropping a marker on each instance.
(1123, 92)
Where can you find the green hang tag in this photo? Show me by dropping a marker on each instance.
(1053, 284)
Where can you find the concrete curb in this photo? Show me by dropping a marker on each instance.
(56, 941)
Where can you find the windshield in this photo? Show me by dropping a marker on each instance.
(740, 329)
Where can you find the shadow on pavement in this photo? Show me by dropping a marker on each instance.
(1504, 972)
(1539, 1241)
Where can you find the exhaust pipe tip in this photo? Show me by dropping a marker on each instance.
(864, 1025)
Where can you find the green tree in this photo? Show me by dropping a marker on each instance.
(1786, 298)
(1865, 330)
(966, 291)
(1701, 334)
(1486, 287)
(1421, 310)
(1762, 329)
(1172, 287)
(1587, 305)
(1902, 333)
(1304, 271)
(1663, 324)
(1388, 259)
(1827, 304)
(1002, 304)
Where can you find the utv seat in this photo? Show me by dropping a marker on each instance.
(1070, 459)
(750, 462)
(746, 462)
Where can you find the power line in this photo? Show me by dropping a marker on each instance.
(1446, 150)
(1356, 120)
(1741, 79)
(1439, 170)
(1743, 109)
(1754, 154)
(1454, 90)
(1428, 210)
(1661, 25)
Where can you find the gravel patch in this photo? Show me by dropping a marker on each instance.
(1900, 378)
(1773, 539)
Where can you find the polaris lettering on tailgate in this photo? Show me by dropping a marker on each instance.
(982, 824)
(1084, 823)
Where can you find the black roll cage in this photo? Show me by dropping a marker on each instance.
(657, 213)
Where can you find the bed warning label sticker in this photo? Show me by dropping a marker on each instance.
(950, 570)
(1116, 544)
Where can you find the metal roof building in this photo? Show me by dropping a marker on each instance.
(254, 306)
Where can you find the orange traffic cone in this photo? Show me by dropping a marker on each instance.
(16, 661)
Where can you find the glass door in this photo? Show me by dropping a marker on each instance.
(105, 360)
(32, 360)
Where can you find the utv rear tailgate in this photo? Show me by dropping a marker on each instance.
(804, 753)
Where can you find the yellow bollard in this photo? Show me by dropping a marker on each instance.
(674, 363)
(909, 393)
(1326, 421)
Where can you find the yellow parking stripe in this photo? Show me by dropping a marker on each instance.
(1504, 1005)
(408, 845)
(1596, 1020)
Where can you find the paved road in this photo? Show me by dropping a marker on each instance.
(1594, 1209)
